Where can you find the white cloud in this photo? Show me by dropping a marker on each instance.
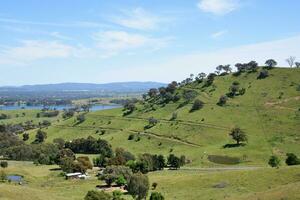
(219, 34)
(114, 42)
(76, 24)
(32, 50)
(180, 66)
(218, 7)
(139, 19)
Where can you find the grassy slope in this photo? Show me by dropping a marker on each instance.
(271, 128)
(272, 184)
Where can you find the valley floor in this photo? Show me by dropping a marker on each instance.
(45, 182)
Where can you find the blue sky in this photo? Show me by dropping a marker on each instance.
(99, 41)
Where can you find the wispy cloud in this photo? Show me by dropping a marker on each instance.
(138, 18)
(33, 50)
(218, 34)
(114, 42)
(78, 24)
(180, 66)
(218, 7)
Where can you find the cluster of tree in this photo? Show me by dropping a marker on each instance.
(68, 113)
(137, 184)
(128, 108)
(123, 101)
(291, 159)
(101, 195)
(53, 113)
(235, 90)
(162, 95)
(4, 116)
(39, 153)
(90, 145)
(69, 164)
(223, 70)
(40, 136)
(249, 67)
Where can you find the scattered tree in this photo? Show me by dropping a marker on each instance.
(297, 64)
(238, 135)
(138, 186)
(25, 136)
(40, 136)
(291, 61)
(263, 74)
(197, 105)
(271, 63)
(274, 161)
(222, 100)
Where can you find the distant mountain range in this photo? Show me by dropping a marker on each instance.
(107, 87)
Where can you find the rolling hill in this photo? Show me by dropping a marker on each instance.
(268, 113)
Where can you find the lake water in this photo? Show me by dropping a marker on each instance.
(14, 178)
(60, 107)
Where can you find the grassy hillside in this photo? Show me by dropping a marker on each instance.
(268, 112)
(43, 182)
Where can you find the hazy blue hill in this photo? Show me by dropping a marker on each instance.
(107, 87)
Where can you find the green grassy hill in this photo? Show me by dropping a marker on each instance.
(268, 113)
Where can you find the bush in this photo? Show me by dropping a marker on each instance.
(154, 185)
(197, 105)
(292, 159)
(174, 116)
(274, 161)
(97, 195)
(263, 74)
(3, 164)
(222, 100)
(156, 196)
(131, 137)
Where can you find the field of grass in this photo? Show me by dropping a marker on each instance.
(44, 182)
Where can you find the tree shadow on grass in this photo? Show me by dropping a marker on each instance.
(233, 145)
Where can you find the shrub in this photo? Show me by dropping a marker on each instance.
(174, 116)
(154, 185)
(263, 74)
(242, 91)
(222, 100)
(131, 137)
(3, 164)
(97, 195)
(274, 161)
(156, 196)
(197, 105)
(292, 159)
(121, 181)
